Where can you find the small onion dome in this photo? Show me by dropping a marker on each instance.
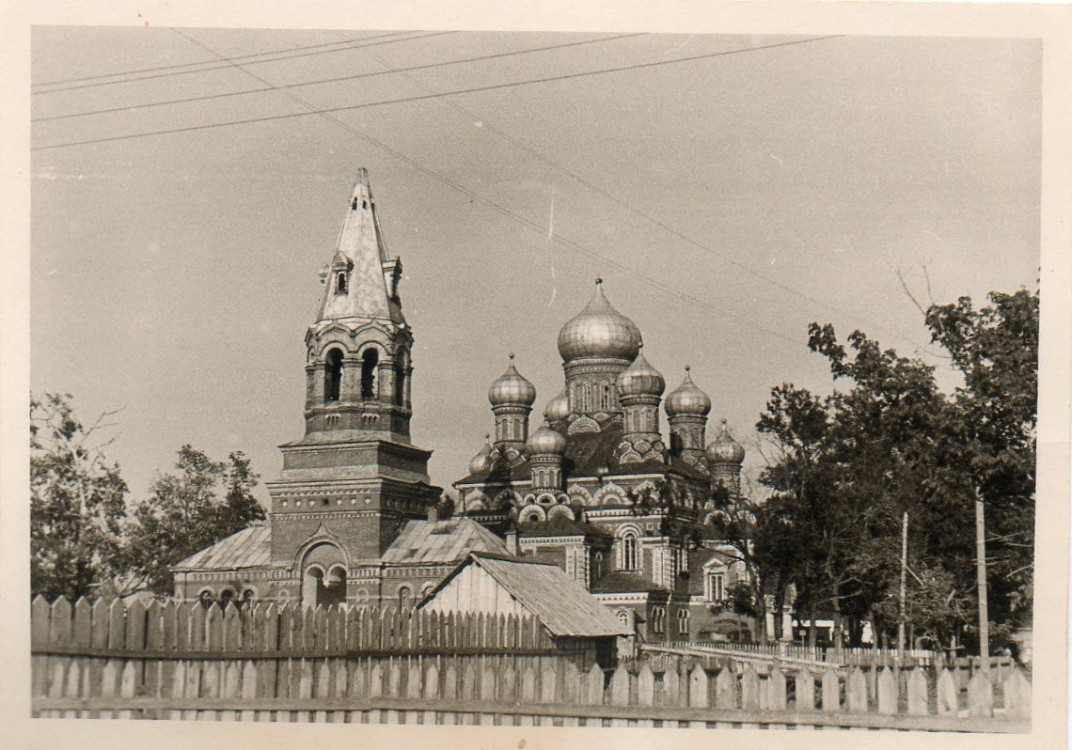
(512, 389)
(599, 331)
(482, 461)
(641, 379)
(557, 408)
(724, 449)
(546, 441)
(687, 399)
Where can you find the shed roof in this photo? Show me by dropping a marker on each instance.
(446, 541)
(248, 548)
(561, 603)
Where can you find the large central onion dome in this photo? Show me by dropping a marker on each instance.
(687, 399)
(512, 389)
(546, 441)
(641, 379)
(599, 331)
(724, 449)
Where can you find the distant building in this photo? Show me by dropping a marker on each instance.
(600, 491)
(597, 490)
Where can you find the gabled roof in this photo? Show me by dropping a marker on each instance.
(447, 541)
(560, 603)
(249, 548)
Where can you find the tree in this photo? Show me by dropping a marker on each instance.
(205, 502)
(889, 441)
(996, 351)
(77, 501)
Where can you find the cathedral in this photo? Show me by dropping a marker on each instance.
(598, 489)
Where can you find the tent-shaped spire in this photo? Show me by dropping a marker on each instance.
(362, 280)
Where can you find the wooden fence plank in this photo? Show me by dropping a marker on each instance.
(1017, 694)
(508, 684)
(726, 689)
(887, 691)
(593, 693)
(917, 692)
(980, 695)
(750, 689)
(947, 693)
(672, 687)
(831, 691)
(855, 691)
(551, 688)
(619, 687)
(804, 686)
(776, 690)
(645, 686)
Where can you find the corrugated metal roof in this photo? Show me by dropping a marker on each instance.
(561, 603)
(442, 542)
(249, 548)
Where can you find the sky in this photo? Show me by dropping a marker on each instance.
(727, 201)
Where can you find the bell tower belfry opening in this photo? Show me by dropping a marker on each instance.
(354, 477)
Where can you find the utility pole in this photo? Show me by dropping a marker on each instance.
(980, 572)
(904, 568)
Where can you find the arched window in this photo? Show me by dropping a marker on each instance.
(586, 396)
(605, 399)
(629, 551)
(715, 587)
(206, 598)
(333, 375)
(405, 597)
(683, 622)
(658, 619)
(370, 360)
(226, 597)
(340, 283)
(623, 617)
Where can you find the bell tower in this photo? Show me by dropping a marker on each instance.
(349, 484)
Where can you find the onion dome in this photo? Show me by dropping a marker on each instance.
(482, 461)
(546, 441)
(512, 389)
(687, 399)
(641, 379)
(599, 331)
(557, 408)
(724, 449)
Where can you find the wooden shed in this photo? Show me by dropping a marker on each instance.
(573, 619)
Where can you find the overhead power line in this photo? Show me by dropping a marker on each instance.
(194, 63)
(488, 127)
(338, 79)
(253, 62)
(476, 89)
(510, 214)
